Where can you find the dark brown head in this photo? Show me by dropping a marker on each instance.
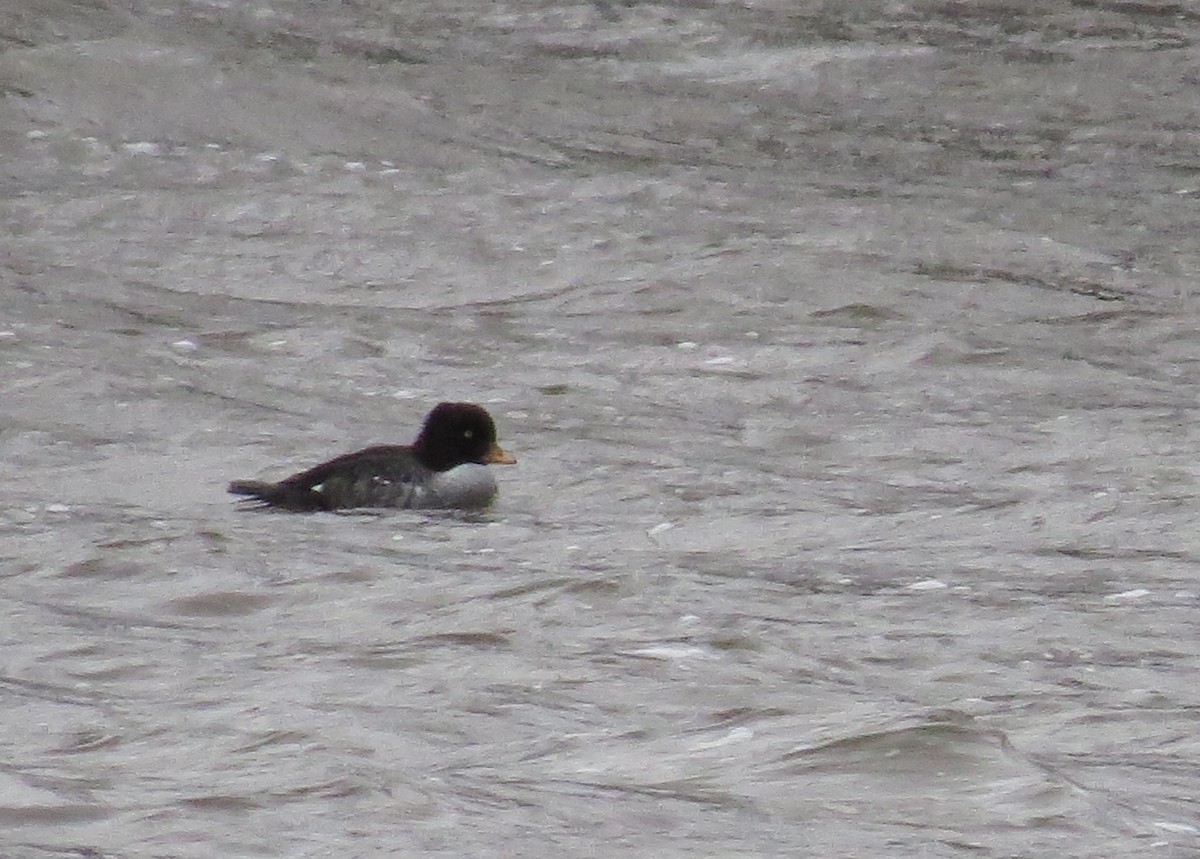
(458, 433)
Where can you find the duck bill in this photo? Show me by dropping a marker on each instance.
(497, 456)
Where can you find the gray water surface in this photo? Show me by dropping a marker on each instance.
(849, 351)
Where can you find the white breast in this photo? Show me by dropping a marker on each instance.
(464, 486)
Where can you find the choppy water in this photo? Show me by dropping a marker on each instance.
(849, 351)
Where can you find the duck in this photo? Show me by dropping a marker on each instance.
(440, 469)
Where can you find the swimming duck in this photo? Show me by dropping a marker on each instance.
(425, 474)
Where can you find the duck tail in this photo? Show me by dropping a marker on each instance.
(283, 495)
